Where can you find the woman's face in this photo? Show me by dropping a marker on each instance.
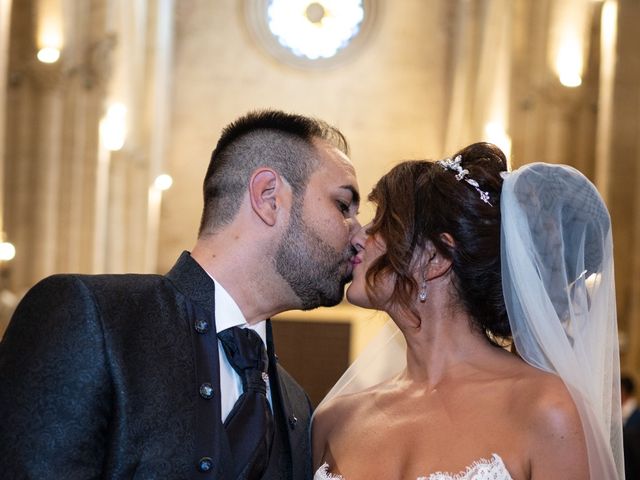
(369, 248)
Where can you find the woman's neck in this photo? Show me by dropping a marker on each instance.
(442, 345)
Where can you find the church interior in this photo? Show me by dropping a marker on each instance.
(109, 111)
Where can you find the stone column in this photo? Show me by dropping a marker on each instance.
(46, 187)
(5, 27)
(161, 107)
(480, 78)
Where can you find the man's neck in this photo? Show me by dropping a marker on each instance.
(245, 275)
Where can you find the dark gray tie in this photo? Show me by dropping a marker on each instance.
(249, 425)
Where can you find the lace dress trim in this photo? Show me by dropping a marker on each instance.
(483, 469)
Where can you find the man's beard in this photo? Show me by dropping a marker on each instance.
(316, 272)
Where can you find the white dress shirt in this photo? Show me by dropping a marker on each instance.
(228, 315)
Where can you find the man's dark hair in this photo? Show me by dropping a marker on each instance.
(268, 138)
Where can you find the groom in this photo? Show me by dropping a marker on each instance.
(147, 376)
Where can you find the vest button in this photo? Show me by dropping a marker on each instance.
(206, 391)
(205, 464)
(201, 326)
(292, 421)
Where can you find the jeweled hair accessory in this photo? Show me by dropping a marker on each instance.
(461, 174)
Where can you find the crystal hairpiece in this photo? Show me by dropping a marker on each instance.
(461, 174)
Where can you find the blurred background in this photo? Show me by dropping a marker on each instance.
(109, 110)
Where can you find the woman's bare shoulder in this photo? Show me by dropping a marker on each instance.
(537, 391)
(341, 407)
(548, 413)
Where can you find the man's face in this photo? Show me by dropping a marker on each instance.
(315, 254)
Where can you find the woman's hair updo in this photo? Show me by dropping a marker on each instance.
(417, 202)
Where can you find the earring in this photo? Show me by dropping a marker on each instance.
(422, 294)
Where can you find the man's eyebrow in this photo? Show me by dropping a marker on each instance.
(355, 196)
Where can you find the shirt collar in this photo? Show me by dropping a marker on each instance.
(228, 313)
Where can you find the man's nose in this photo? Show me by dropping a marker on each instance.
(355, 226)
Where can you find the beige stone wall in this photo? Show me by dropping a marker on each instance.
(388, 99)
(419, 86)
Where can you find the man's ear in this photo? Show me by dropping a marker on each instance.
(263, 194)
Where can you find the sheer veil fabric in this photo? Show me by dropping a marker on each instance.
(557, 276)
(558, 283)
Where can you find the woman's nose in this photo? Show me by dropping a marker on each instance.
(360, 238)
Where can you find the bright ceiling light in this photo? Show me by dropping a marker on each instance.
(7, 251)
(315, 30)
(569, 63)
(113, 127)
(49, 31)
(163, 182)
(571, 80)
(48, 54)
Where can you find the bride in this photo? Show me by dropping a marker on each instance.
(463, 261)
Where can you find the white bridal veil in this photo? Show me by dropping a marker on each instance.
(557, 277)
(558, 283)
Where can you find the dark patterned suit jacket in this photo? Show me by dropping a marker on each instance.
(100, 377)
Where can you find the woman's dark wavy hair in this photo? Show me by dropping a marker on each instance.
(418, 201)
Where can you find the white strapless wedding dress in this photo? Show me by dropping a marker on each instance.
(483, 469)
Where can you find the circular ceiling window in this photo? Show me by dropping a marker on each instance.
(310, 33)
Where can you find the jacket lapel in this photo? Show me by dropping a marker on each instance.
(191, 279)
(212, 453)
